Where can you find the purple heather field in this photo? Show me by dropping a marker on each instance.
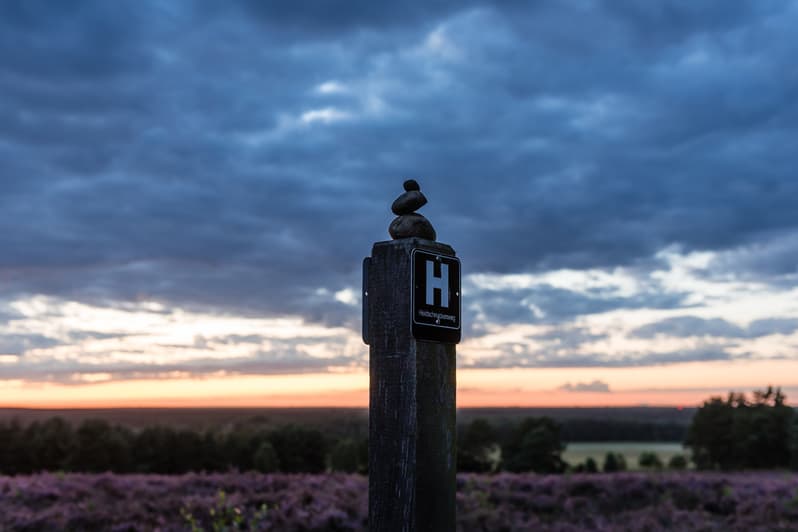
(249, 501)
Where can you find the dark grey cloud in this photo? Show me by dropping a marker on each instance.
(282, 357)
(18, 344)
(80, 336)
(687, 326)
(775, 259)
(547, 304)
(768, 326)
(328, 21)
(90, 40)
(7, 313)
(515, 355)
(156, 149)
(237, 339)
(595, 386)
(569, 338)
(558, 346)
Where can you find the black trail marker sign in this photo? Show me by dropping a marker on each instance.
(435, 297)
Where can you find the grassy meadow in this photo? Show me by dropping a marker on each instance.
(577, 452)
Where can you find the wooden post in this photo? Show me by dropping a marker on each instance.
(412, 426)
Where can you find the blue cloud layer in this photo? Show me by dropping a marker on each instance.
(170, 150)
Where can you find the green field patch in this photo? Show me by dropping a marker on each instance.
(577, 453)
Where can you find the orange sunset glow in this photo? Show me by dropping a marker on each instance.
(683, 385)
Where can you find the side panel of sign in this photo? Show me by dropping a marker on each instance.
(365, 294)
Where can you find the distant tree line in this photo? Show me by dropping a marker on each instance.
(97, 446)
(731, 433)
(601, 430)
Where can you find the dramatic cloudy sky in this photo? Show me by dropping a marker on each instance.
(187, 190)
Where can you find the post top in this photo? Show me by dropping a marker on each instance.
(411, 243)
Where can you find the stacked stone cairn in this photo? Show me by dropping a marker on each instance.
(409, 223)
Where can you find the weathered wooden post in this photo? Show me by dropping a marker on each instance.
(411, 321)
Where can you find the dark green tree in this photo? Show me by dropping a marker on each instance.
(265, 459)
(14, 451)
(50, 443)
(712, 432)
(188, 453)
(741, 434)
(476, 444)
(764, 431)
(345, 456)
(677, 462)
(299, 449)
(649, 460)
(614, 462)
(100, 447)
(153, 450)
(241, 445)
(213, 458)
(363, 455)
(794, 444)
(534, 445)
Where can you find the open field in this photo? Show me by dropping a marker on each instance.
(627, 501)
(577, 453)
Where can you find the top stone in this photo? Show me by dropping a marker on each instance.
(411, 184)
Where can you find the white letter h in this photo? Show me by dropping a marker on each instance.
(441, 283)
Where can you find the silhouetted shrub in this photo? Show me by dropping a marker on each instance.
(678, 462)
(534, 445)
(614, 462)
(649, 460)
(345, 457)
(299, 450)
(265, 459)
(475, 445)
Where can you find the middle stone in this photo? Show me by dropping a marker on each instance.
(408, 202)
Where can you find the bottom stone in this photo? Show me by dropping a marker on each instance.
(411, 225)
